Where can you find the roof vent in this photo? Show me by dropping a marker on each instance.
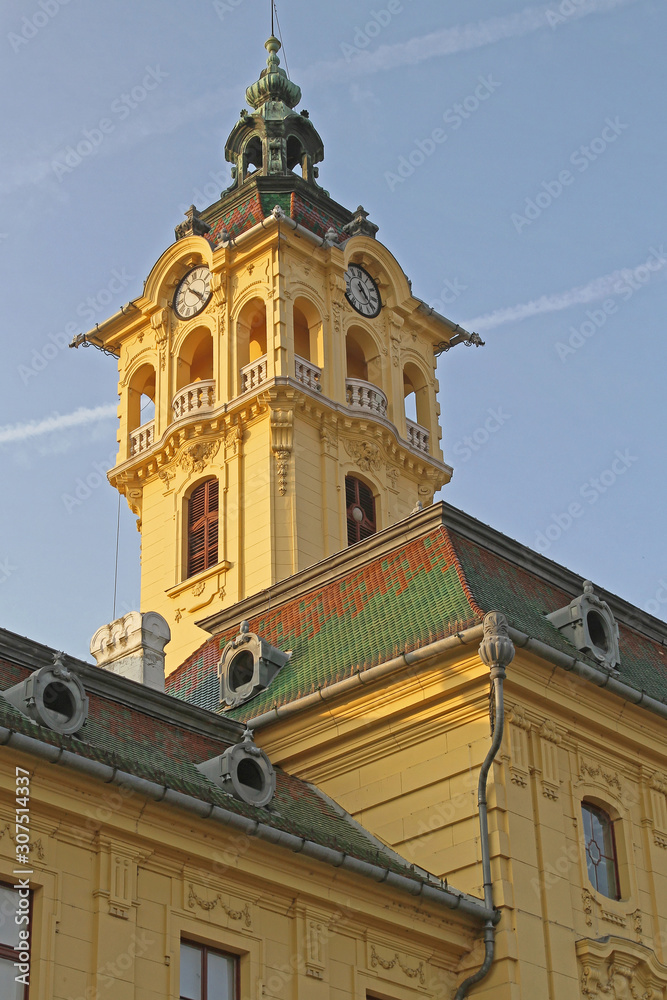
(247, 666)
(588, 623)
(243, 771)
(53, 697)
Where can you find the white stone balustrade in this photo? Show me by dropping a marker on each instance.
(418, 436)
(142, 438)
(308, 373)
(364, 396)
(254, 374)
(194, 399)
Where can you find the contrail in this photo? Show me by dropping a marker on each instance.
(50, 425)
(449, 41)
(619, 282)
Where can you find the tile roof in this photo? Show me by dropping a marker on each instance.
(526, 599)
(259, 205)
(426, 589)
(136, 742)
(404, 600)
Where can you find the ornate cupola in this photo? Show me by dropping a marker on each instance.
(277, 380)
(275, 140)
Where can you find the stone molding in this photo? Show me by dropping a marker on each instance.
(613, 968)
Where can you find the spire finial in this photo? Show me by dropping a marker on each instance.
(273, 83)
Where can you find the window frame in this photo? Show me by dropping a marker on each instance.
(7, 952)
(367, 523)
(601, 814)
(210, 552)
(206, 950)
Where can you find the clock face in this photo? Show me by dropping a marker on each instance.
(362, 292)
(193, 292)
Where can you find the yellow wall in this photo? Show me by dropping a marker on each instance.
(118, 882)
(404, 759)
(280, 452)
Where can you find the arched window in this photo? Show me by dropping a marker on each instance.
(363, 356)
(203, 527)
(601, 856)
(308, 344)
(295, 154)
(416, 393)
(360, 502)
(195, 358)
(251, 343)
(141, 397)
(253, 157)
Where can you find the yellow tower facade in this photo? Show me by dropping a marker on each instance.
(278, 395)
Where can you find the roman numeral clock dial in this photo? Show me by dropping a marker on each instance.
(362, 293)
(193, 292)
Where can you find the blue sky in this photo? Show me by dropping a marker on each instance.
(514, 158)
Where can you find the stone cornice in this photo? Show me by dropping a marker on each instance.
(276, 392)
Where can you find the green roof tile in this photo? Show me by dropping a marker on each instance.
(401, 601)
(426, 589)
(140, 744)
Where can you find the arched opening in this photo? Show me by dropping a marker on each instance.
(308, 344)
(195, 359)
(141, 397)
(253, 157)
(251, 339)
(295, 154)
(308, 335)
(363, 389)
(301, 335)
(357, 366)
(201, 518)
(416, 393)
(360, 510)
(363, 356)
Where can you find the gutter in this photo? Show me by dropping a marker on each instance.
(497, 652)
(87, 338)
(368, 676)
(597, 676)
(572, 664)
(453, 900)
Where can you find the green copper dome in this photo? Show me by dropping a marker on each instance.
(273, 84)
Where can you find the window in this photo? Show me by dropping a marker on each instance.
(601, 857)
(203, 527)
(207, 974)
(9, 939)
(361, 521)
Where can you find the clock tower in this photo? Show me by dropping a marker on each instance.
(276, 380)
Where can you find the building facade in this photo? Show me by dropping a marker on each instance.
(390, 753)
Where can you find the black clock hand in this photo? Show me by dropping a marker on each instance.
(363, 292)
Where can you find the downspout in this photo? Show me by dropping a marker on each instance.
(497, 652)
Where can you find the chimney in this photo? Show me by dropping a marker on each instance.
(133, 647)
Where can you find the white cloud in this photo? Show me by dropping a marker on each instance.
(38, 170)
(599, 288)
(449, 41)
(59, 422)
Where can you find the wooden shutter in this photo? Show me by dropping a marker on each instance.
(359, 496)
(203, 527)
